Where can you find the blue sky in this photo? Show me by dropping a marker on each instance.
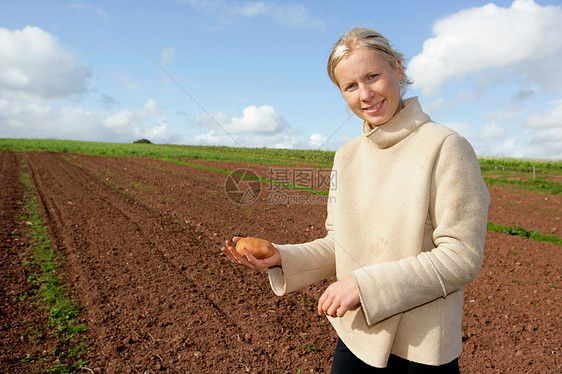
(253, 73)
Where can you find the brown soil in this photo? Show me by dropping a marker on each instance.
(141, 240)
(21, 323)
(531, 210)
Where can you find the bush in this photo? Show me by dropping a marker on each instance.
(142, 141)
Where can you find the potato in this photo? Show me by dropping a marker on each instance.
(258, 247)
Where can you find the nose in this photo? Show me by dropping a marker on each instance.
(365, 92)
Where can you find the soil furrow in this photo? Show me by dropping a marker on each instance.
(147, 231)
(510, 206)
(25, 342)
(127, 275)
(142, 246)
(164, 246)
(217, 279)
(165, 194)
(246, 297)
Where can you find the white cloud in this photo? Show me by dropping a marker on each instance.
(543, 137)
(493, 132)
(507, 148)
(159, 133)
(259, 120)
(498, 141)
(219, 137)
(34, 66)
(257, 127)
(546, 143)
(286, 14)
(167, 55)
(21, 119)
(89, 8)
(522, 40)
(126, 120)
(552, 118)
(436, 105)
(277, 140)
(317, 140)
(463, 128)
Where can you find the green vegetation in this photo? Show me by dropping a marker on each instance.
(502, 166)
(510, 171)
(252, 155)
(43, 263)
(530, 175)
(310, 348)
(142, 141)
(526, 174)
(520, 231)
(535, 185)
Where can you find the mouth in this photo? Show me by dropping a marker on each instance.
(373, 108)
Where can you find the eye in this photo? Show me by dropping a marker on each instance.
(372, 76)
(350, 87)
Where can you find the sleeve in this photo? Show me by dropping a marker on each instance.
(306, 263)
(458, 209)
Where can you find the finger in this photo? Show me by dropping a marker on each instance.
(226, 251)
(249, 256)
(321, 303)
(236, 239)
(229, 248)
(326, 303)
(240, 258)
(233, 251)
(236, 257)
(258, 264)
(341, 311)
(247, 259)
(333, 310)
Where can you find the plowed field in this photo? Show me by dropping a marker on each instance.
(141, 240)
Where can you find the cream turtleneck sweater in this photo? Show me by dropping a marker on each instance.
(407, 219)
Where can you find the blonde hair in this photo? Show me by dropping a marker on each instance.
(361, 37)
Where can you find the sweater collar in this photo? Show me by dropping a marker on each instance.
(399, 126)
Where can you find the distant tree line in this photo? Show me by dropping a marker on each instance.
(142, 141)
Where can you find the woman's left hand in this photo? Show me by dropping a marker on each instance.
(339, 297)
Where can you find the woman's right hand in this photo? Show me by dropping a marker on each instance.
(249, 260)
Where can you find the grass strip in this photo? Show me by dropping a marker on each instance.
(534, 185)
(270, 156)
(246, 154)
(44, 263)
(520, 231)
(501, 165)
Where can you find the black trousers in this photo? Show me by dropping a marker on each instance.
(346, 362)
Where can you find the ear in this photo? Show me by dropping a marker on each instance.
(400, 70)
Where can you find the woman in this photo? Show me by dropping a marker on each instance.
(406, 225)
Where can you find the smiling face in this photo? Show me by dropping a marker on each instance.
(370, 85)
